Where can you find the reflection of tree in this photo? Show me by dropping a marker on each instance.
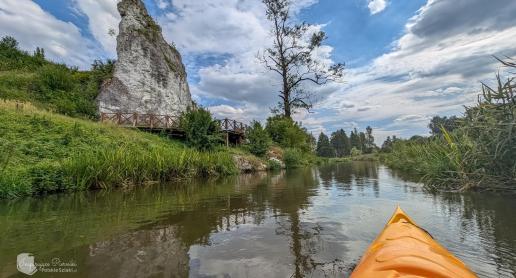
(346, 174)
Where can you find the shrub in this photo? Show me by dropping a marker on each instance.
(259, 140)
(287, 133)
(54, 78)
(294, 158)
(273, 164)
(355, 152)
(201, 130)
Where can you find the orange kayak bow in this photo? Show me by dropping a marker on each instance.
(405, 250)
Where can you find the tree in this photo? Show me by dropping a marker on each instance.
(340, 143)
(362, 142)
(287, 133)
(437, 123)
(387, 145)
(369, 144)
(8, 42)
(39, 53)
(259, 140)
(354, 139)
(292, 58)
(324, 149)
(201, 131)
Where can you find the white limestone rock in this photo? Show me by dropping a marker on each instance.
(149, 75)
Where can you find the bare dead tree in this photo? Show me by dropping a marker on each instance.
(292, 57)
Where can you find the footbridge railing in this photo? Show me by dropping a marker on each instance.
(164, 122)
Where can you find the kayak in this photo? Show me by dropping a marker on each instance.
(405, 250)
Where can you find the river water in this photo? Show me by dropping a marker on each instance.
(313, 222)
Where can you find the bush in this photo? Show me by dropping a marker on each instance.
(201, 130)
(259, 140)
(355, 152)
(273, 164)
(287, 133)
(54, 78)
(295, 158)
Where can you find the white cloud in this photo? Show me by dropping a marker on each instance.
(238, 30)
(428, 72)
(103, 17)
(162, 4)
(376, 6)
(33, 27)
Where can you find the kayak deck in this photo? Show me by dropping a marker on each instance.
(405, 250)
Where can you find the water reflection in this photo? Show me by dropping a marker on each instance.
(306, 223)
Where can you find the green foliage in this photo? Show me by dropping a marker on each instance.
(201, 130)
(11, 58)
(55, 87)
(54, 78)
(42, 153)
(295, 158)
(287, 133)
(273, 165)
(259, 140)
(340, 142)
(356, 152)
(324, 148)
(437, 124)
(477, 155)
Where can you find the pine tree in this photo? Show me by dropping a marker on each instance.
(340, 143)
(370, 146)
(362, 142)
(354, 139)
(387, 145)
(324, 149)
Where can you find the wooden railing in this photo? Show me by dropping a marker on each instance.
(163, 122)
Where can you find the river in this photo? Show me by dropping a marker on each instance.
(313, 222)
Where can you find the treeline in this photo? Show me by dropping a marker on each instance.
(476, 151)
(57, 87)
(342, 145)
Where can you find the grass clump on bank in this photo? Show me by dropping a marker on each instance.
(42, 152)
(478, 154)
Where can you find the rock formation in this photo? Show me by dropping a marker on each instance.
(149, 75)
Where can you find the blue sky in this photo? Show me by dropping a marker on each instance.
(407, 60)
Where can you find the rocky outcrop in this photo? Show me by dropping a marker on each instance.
(248, 164)
(149, 76)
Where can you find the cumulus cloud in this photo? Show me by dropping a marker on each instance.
(103, 19)
(237, 30)
(434, 68)
(376, 6)
(33, 27)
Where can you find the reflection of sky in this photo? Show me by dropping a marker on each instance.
(340, 225)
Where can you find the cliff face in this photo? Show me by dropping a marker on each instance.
(149, 76)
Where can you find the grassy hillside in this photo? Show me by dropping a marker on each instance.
(56, 87)
(43, 152)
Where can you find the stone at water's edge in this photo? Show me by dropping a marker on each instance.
(149, 76)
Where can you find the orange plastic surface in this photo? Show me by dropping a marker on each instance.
(405, 250)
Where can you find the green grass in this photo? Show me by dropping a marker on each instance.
(56, 87)
(42, 152)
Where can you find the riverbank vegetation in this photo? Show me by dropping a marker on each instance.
(43, 152)
(474, 152)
